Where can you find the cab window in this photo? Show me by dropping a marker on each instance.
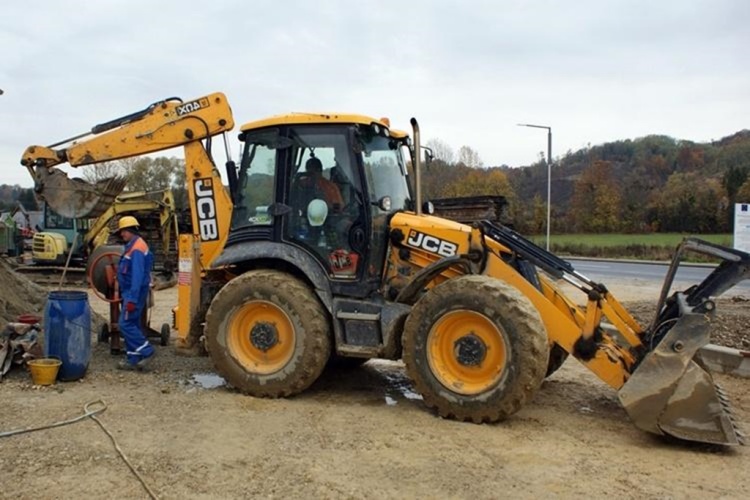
(256, 180)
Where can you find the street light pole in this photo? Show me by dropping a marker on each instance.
(549, 172)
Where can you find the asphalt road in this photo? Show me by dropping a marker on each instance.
(654, 273)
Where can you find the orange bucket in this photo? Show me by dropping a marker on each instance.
(44, 370)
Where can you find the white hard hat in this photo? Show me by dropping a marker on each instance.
(317, 211)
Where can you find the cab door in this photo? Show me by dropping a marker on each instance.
(386, 187)
(328, 214)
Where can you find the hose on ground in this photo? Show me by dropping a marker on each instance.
(90, 410)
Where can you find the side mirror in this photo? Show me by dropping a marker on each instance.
(428, 156)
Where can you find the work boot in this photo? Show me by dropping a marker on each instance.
(144, 363)
(128, 367)
(141, 366)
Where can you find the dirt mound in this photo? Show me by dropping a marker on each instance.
(731, 326)
(18, 295)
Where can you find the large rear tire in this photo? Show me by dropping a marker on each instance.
(267, 334)
(476, 349)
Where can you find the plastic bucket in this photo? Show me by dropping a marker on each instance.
(44, 370)
(29, 319)
(67, 332)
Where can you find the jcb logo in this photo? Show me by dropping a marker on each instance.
(432, 244)
(192, 106)
(205, 207)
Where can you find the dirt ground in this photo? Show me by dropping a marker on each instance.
(357, 433)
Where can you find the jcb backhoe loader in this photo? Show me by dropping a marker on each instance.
(324, 249)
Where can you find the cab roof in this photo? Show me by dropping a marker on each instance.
(319, 118)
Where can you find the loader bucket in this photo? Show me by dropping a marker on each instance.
(75, 198)
(671, 394)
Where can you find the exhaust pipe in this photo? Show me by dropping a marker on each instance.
(417, 166)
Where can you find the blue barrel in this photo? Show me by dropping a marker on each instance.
(67, 327)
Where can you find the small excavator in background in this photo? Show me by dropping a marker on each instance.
(321, 246)
(60, 236)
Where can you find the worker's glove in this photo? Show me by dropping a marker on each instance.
(130, 307)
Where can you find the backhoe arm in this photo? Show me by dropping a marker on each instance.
(162, 125)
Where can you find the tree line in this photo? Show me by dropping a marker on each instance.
(650, 184)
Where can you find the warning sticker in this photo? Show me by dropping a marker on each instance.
(185, 265)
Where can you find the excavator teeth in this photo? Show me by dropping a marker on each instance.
(729, 413)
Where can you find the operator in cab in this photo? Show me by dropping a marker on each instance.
(134, 278)
(322, 186)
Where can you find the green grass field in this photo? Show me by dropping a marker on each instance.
(622, 240)
(654, 246)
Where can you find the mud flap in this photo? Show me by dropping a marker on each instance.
(671, 394)
(75, 198)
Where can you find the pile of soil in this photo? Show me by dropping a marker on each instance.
(731, 325)
(19, 295)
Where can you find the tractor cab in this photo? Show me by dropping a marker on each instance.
(318, 190)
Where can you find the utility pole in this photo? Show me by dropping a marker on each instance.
(549, 172)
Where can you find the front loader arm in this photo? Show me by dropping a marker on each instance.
(662, 387)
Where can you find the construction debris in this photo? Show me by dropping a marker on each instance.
(19, 343)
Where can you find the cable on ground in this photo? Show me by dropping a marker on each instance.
(90, 410)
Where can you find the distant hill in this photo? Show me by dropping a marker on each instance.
(655, 178)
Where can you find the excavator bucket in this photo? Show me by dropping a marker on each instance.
(670, 392)
(76, 198)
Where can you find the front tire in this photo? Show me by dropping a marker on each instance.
(267, 334)
(476, 349)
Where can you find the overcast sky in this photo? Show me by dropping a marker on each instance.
(470, 71)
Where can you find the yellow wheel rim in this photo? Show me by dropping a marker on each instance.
(261, 337)
(466, 352)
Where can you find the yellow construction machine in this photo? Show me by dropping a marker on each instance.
(58, 233)
(322, 246)
(157, 214)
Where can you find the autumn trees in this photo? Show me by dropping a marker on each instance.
(596, 203)
(654, 183)
(145, 174)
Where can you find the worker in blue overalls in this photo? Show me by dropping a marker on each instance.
(134, 279)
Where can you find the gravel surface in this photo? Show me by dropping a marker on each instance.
(357, 433)
(731, 326)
